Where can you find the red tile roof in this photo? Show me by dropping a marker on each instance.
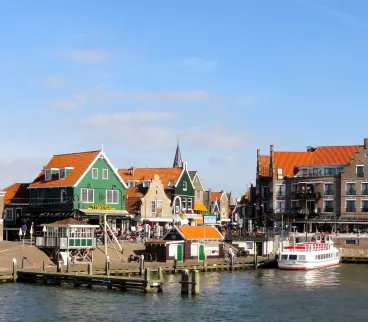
(288, 160)
(132, 204)
(140, 174)
(216, 196)
(335, 154)
(79, 161)
(17, 193)
(264, 170)
(200, 232)
(69, 221)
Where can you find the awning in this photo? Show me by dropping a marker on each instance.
(157, 219)
(112, 213)
(199, 206)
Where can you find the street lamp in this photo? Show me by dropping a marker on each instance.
(31, 232)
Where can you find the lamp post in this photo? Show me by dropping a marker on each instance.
(44, 234)
(20, 233)
(31, 232)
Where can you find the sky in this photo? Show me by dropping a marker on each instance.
(225, 77)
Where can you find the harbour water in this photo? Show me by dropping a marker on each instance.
(332, 294)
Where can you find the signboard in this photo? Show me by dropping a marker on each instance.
(208, 219)
(24, 228)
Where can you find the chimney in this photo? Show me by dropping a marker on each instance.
(2, 194)
(132, 171)
(258, 160)
(272, 161)
(310, 148)
(365, 144)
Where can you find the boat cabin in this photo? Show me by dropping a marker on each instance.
(322, 238)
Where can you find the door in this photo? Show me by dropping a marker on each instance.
(259, 248)
(179, 253)
(201, 253)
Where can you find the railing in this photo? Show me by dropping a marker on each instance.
(360, 174)
(329, 192)
(308, 195)
(364, 192)
(351, 209)
(351, 192)
(328, 209)
(307, 247)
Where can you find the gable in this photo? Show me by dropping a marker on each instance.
(197, 182)
(200, 232)
(184, 176)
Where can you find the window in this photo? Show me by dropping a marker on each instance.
(350, 206)
(294, 204)
(339, 170)
(198, 194)
(63, 195)
(305, 172)
(170, 183)
(9, 214)
(131, 183)
(293, 257)
(189, 204)
(39, 193)
(364, 205)
(315, 172)
(280, 206)
(294, 189)
(184, 203)
(87, 195)
(264, 191)
(310, 172)
(159, 205)
(350, 242)
(330, 172)
(329, 206)
(301, 257)
(112, 196)
(329, 189)
(280, 175)
(62, 174)
(146, 183)
(360, 171)
(350, 189)
(48, 174)
(265, 205)
(280, 190)
(365, 188)
(94, 173)
(105, 174)
(153, 206)
(185, 185)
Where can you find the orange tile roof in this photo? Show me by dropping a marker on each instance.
(216, 196)
(69, 221)
(133, 204)
(140, 174)
(17, 193)
(335, 154)
(79, 161)
(288, 160)
(197, 232)
(265, 166)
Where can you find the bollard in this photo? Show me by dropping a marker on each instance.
(175, 265)
(255, 260)
(147, 279)
(160, 274)
(23, 258)
(141, 264)
(59, 267)
(14, 270)
(195, 282)
(43, 267)
(107, 265)
(205, 263)
(90, 269)
(185, 281)
(232, 258)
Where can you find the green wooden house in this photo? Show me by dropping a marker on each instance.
(82, 185)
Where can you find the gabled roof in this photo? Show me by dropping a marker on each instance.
(288, 160)
(140, 174)
(192, 174)
(69, 221)
(265, 166)
(17, 193)
(81, 162)
(200, 232)
(217, 195)
(335, 154)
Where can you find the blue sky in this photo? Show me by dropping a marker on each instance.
(226, 77)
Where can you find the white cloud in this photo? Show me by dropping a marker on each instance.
(55, 82)
(87, 55)
(76, 101)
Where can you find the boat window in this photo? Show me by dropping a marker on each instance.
(293, 257)
(284, 257)
(301, 257)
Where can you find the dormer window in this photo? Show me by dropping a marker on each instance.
(62, 174)
(48, 174)
(280, 174)
(171, 183)
(131, 183)
(146, 183)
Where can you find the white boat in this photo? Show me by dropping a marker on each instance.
(318, 253)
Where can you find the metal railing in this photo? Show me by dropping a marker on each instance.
(351, 192)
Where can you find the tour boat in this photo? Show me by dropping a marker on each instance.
(318, 253)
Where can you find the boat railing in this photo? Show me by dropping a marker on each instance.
(308, 247)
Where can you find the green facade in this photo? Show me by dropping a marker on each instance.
(51, 198)
(179, 189)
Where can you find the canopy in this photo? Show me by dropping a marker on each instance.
(199, 206)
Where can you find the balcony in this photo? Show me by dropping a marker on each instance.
(364, 192)
(328, 209)
(280, 195)
(308, 195)
(351, 192)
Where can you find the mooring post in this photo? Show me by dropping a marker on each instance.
(23, 258)
(175, 265)
(59, 267)
(255, 260)
(43, 267)
(205, 262)
(107, 265)
(195, 282)
(147, 280)
(184, 281)
(232, 259)
(14, 270)
(141, 264)
(90, 269)
(160, 274)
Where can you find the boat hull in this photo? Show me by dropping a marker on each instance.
(306, 266)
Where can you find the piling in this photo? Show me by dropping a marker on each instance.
(141, 264)
(147, 279)
(90, 269)
(14, 274)
(184, 281)
(195, 282)
(107, 265)
(43, 267)
(59, 267)
(160, 274)
(255, 260)
(205, 263)
(175, 266)
(23, 258)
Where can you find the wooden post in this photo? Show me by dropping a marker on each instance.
(90, 269)
(141, 264)
(23, 258)
(43, 267)
(14, 270)
(107, 265)
(255, 260)
(195, 282)
(160, 274)
(185, 281)
(205, 262)
(175, 265)
(59, 267)
(147, 279)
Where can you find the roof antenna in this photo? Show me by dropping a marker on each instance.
(102, 147)
(177, 138)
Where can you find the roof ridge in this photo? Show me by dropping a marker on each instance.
(77, 152)
(151, 168)
(337, 146)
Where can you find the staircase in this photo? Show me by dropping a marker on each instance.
(226, 248)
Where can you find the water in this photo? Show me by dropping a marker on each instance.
(332, 294)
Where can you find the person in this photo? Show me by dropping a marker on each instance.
(231, 256)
